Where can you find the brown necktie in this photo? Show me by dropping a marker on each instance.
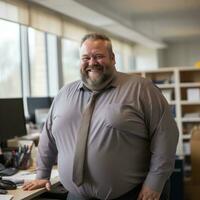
(79, 158)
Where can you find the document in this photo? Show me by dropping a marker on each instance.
(25, 175)
(6, 197)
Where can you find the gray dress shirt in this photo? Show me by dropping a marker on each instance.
(132, 138)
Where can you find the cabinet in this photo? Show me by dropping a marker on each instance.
(189, 87)
(181, 88)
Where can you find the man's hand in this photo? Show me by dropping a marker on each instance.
(36, 184)
(147, 193)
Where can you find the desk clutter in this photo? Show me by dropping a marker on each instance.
(13, 159)
(7, 185)
(22, 157)
(17, 166)
(16, 158)
(5, 197)
(7, 171)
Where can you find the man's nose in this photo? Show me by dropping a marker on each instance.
(92, 61)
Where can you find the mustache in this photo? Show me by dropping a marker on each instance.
(93, 67)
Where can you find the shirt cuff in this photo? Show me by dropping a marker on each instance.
(43, 174)
(155, 182)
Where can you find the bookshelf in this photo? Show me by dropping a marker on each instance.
(181, 88)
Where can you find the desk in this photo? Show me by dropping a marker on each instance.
(20, 194)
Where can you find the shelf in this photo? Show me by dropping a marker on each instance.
(188, 69)
(185, 102)
(178, 85)
(137, 74)
(190, 84)
(161, 78)
(189, 76)
(172, 102)
(166, 85)
(190, 119)
(187, 137)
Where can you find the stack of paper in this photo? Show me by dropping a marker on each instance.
(6, 197)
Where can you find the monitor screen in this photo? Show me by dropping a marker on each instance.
(35, 103)
(12, 119)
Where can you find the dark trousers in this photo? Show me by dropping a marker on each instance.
(131, 195)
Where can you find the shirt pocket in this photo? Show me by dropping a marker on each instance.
(124, 117)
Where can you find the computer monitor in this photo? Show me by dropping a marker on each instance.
(35, 103)
(41, 116)
(12, 119)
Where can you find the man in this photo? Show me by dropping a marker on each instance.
(119, 146)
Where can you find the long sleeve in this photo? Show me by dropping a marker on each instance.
(163, 134)
(47, 151)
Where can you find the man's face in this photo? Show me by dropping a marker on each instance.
(97, 64)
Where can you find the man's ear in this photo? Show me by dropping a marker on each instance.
(113, 58)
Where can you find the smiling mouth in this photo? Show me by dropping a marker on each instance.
(94, 73)
(94, 69)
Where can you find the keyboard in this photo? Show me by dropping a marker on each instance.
(8, 171)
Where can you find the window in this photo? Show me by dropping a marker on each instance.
(118, 60)
(70, 60)
(128, 58)
(10, 72)
(117, 48)
(52, 58)
(132, 64)
(38, 67)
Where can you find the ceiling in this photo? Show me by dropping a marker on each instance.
(153, 23)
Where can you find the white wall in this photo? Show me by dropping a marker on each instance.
(145, 58)
(180, 53)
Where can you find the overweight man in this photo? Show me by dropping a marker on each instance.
(112, 133)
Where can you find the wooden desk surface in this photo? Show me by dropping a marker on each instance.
(20, 194)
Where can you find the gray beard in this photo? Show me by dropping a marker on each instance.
(100, 84)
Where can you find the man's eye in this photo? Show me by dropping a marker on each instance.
(99, 56)
(85, 59)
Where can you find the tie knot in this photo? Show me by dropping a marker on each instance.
(95, 93)
(94, 96)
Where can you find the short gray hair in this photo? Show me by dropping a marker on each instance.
(98, 36)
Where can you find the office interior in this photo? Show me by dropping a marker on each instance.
(39, 53)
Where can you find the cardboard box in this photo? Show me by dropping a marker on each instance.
(195, 156)
(192, 184)
(191, 191)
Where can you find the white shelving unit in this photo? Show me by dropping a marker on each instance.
(175, 83)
